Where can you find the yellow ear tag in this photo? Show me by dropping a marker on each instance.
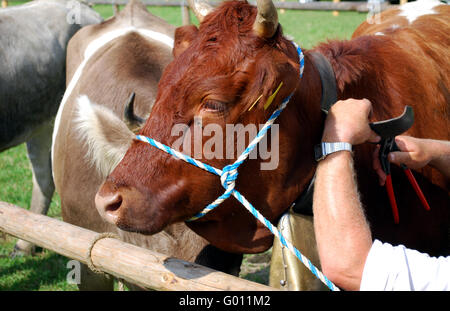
(255, 102)
(272, 97)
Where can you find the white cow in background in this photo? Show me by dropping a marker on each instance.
(33, 41)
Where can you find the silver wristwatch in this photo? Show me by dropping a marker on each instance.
(323, 149)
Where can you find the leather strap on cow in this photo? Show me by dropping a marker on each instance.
(303, 204)
(328, 79)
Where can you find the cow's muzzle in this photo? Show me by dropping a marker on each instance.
(133, 210)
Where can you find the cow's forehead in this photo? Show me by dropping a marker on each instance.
(206, 63)
(224, 53)
(224, 39)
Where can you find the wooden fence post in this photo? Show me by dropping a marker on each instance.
(116, 9)
(336, 13)
(185, 16)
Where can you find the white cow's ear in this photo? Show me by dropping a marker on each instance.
(106, 136)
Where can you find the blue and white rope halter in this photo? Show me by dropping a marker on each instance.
(229, 174)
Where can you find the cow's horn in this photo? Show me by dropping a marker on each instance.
(266, 22)
(201, 8)
(133, 122)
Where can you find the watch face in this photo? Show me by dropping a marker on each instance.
(318, 154)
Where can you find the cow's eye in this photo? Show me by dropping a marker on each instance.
(214, 106)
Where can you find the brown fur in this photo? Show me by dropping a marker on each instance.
(226, 62)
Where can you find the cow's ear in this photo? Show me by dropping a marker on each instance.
(183, 38)
(106, 136)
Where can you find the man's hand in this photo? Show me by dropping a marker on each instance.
(416, 153)
(348, 121)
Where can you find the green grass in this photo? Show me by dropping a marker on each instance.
(47, 270)
(171, 14)
(15, 176)
(16, 180)
(308, 28)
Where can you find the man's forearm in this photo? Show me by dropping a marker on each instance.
(441, 156)
(342, 233)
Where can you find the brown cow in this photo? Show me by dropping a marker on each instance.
(107, 62)
(219, 72)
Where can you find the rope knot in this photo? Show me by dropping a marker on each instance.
(229, 176)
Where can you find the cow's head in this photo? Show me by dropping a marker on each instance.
(224, 73)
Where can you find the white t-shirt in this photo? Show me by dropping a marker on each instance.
(398, 268)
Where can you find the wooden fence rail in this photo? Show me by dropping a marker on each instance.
(126, 261)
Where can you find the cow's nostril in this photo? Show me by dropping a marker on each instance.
(114, 204)
(108, 206)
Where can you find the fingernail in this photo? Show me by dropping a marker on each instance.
(391, 157)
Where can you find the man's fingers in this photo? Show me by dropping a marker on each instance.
(402, 142)
(375, 158)
(377, 167)
(374, 138)
(368, 105)
(399, 157)
(381, 177)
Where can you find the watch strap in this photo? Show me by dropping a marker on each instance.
(325, 148)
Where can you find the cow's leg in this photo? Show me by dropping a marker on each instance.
(91, 281)
(216, 259)
(39, 149)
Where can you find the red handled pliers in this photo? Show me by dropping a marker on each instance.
(387, 130)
